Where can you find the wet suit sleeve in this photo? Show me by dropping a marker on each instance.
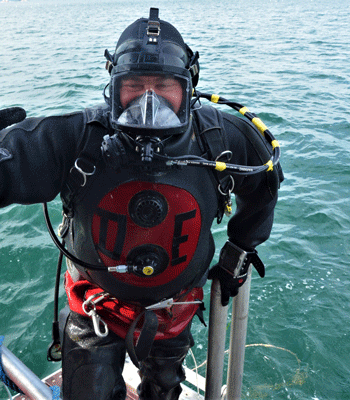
(36, 156)
(256, 195)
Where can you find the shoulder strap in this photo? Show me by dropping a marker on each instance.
(211, 134)
(85, 164)
(212, 141)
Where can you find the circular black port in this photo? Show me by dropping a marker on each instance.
(148, 260)
(148, 208)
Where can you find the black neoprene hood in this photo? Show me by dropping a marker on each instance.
(137, 50)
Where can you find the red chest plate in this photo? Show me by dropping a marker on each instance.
(140, 217)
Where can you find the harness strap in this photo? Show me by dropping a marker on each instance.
(212, 141)
(147, 335)
(84, 166)
(211, 134)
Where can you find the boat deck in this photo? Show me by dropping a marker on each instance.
(132, 380)
(56, 380)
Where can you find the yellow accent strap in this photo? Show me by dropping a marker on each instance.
(243, 110)
(220, 166)
(260, 125)
(270, 165)
(214, 98)
(275, 144)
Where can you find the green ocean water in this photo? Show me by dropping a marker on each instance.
(286, 61)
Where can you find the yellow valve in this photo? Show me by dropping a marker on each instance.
(147, 270)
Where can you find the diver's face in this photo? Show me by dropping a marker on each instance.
(167, 87)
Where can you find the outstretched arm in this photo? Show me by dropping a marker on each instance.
(37, 156)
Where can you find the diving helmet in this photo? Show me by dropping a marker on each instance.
(153, 73)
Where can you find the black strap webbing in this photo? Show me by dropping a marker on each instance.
(211, 134)
(88, 158)
(212, 141)
(148, 333)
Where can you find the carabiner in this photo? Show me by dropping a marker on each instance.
(227, 196)
(96, 320)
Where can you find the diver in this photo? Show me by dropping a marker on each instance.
(139, 198)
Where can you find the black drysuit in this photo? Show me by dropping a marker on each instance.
(36, 157)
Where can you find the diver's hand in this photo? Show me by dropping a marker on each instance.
(232, 269)
(113, 151)
(228, 284)
(12, 115)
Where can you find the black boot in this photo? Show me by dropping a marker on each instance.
(162, 372)
(150, 391)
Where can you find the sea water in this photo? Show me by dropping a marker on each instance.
(289, 63)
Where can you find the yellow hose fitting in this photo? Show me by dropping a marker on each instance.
(275, 144)
(244, 110)
(220, 166)
(214, 98)
(260, 125)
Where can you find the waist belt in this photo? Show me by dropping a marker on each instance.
(138, 325)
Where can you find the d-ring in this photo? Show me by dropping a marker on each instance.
(228, 192)
(84, 173)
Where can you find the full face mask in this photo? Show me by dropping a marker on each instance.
(150, 105)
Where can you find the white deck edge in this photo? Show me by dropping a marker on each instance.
(132, 378)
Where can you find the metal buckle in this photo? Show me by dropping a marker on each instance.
(153, 28)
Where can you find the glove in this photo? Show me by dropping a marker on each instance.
(228, 284)
(12, 115)
(232, 269)
(113, 151)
